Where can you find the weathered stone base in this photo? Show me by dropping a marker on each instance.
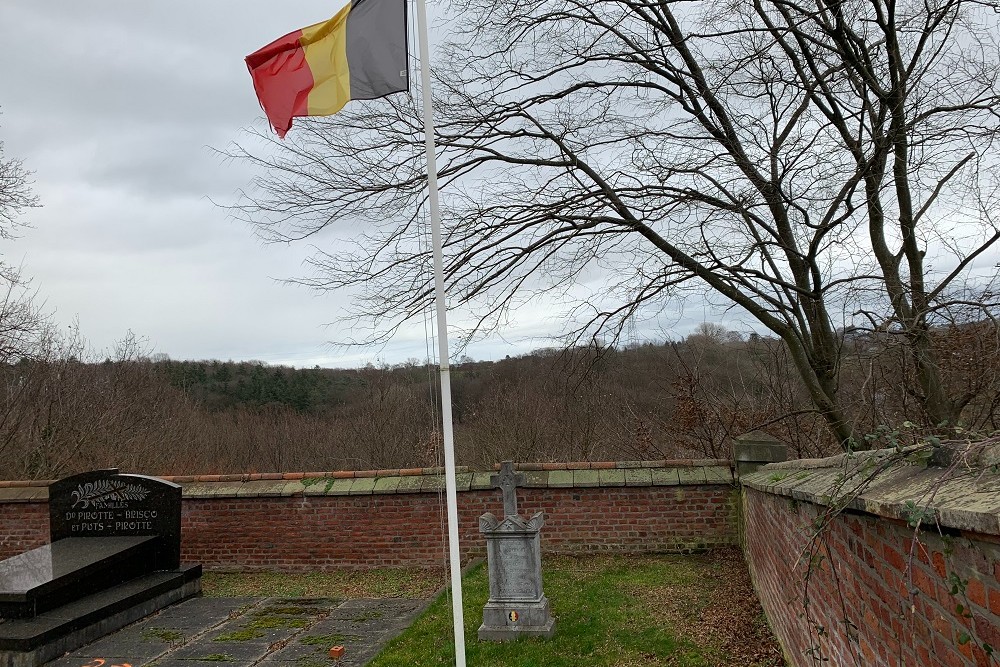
(507, 621)
(31, 642)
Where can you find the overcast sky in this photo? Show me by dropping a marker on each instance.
(115, 107)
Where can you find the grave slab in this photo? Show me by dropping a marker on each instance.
(103, 503)
(33, 641)
(51, 575)
(114, 558)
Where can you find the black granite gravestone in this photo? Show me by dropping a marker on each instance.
(103, 503)
(114, 557)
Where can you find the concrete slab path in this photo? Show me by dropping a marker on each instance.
(247, 632)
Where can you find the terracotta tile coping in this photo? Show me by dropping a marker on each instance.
(407, 472)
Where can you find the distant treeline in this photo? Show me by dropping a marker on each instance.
(59, 414)
(227, 384)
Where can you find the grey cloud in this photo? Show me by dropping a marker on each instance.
(114, 105)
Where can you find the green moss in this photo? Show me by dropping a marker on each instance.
(240, 635)
(276, 622)
(254, 629)
(286, 611)
(317, 480)
(162, 635)
(368, 616)
(332, 639)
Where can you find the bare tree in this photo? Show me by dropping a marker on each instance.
(823, 165)
(15, 193)
(22, 322)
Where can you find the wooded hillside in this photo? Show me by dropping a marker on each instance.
(59, 414)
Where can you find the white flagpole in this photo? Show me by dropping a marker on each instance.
(442, 336)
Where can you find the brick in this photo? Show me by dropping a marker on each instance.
(976, 592)
(937, 558)
(306, 532)
(894, 558)
(994, 598)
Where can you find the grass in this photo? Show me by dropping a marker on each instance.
(604, 613)
(385, 583)
(627, 611)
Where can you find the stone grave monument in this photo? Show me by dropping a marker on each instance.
(517, 606)
(113, 558)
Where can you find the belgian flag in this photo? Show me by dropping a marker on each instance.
(359, 54)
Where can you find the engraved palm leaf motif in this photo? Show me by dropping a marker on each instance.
(97, 494)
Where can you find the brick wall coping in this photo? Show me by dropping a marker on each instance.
(421, 480)
(965, 498)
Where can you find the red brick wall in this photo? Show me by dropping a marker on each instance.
(895, 593)
(312, 532)
(23, 526)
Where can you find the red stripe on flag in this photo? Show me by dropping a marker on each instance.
(282, 79)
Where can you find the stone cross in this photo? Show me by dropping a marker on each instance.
(508, 481)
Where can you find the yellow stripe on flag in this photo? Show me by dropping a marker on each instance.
(325, 46)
